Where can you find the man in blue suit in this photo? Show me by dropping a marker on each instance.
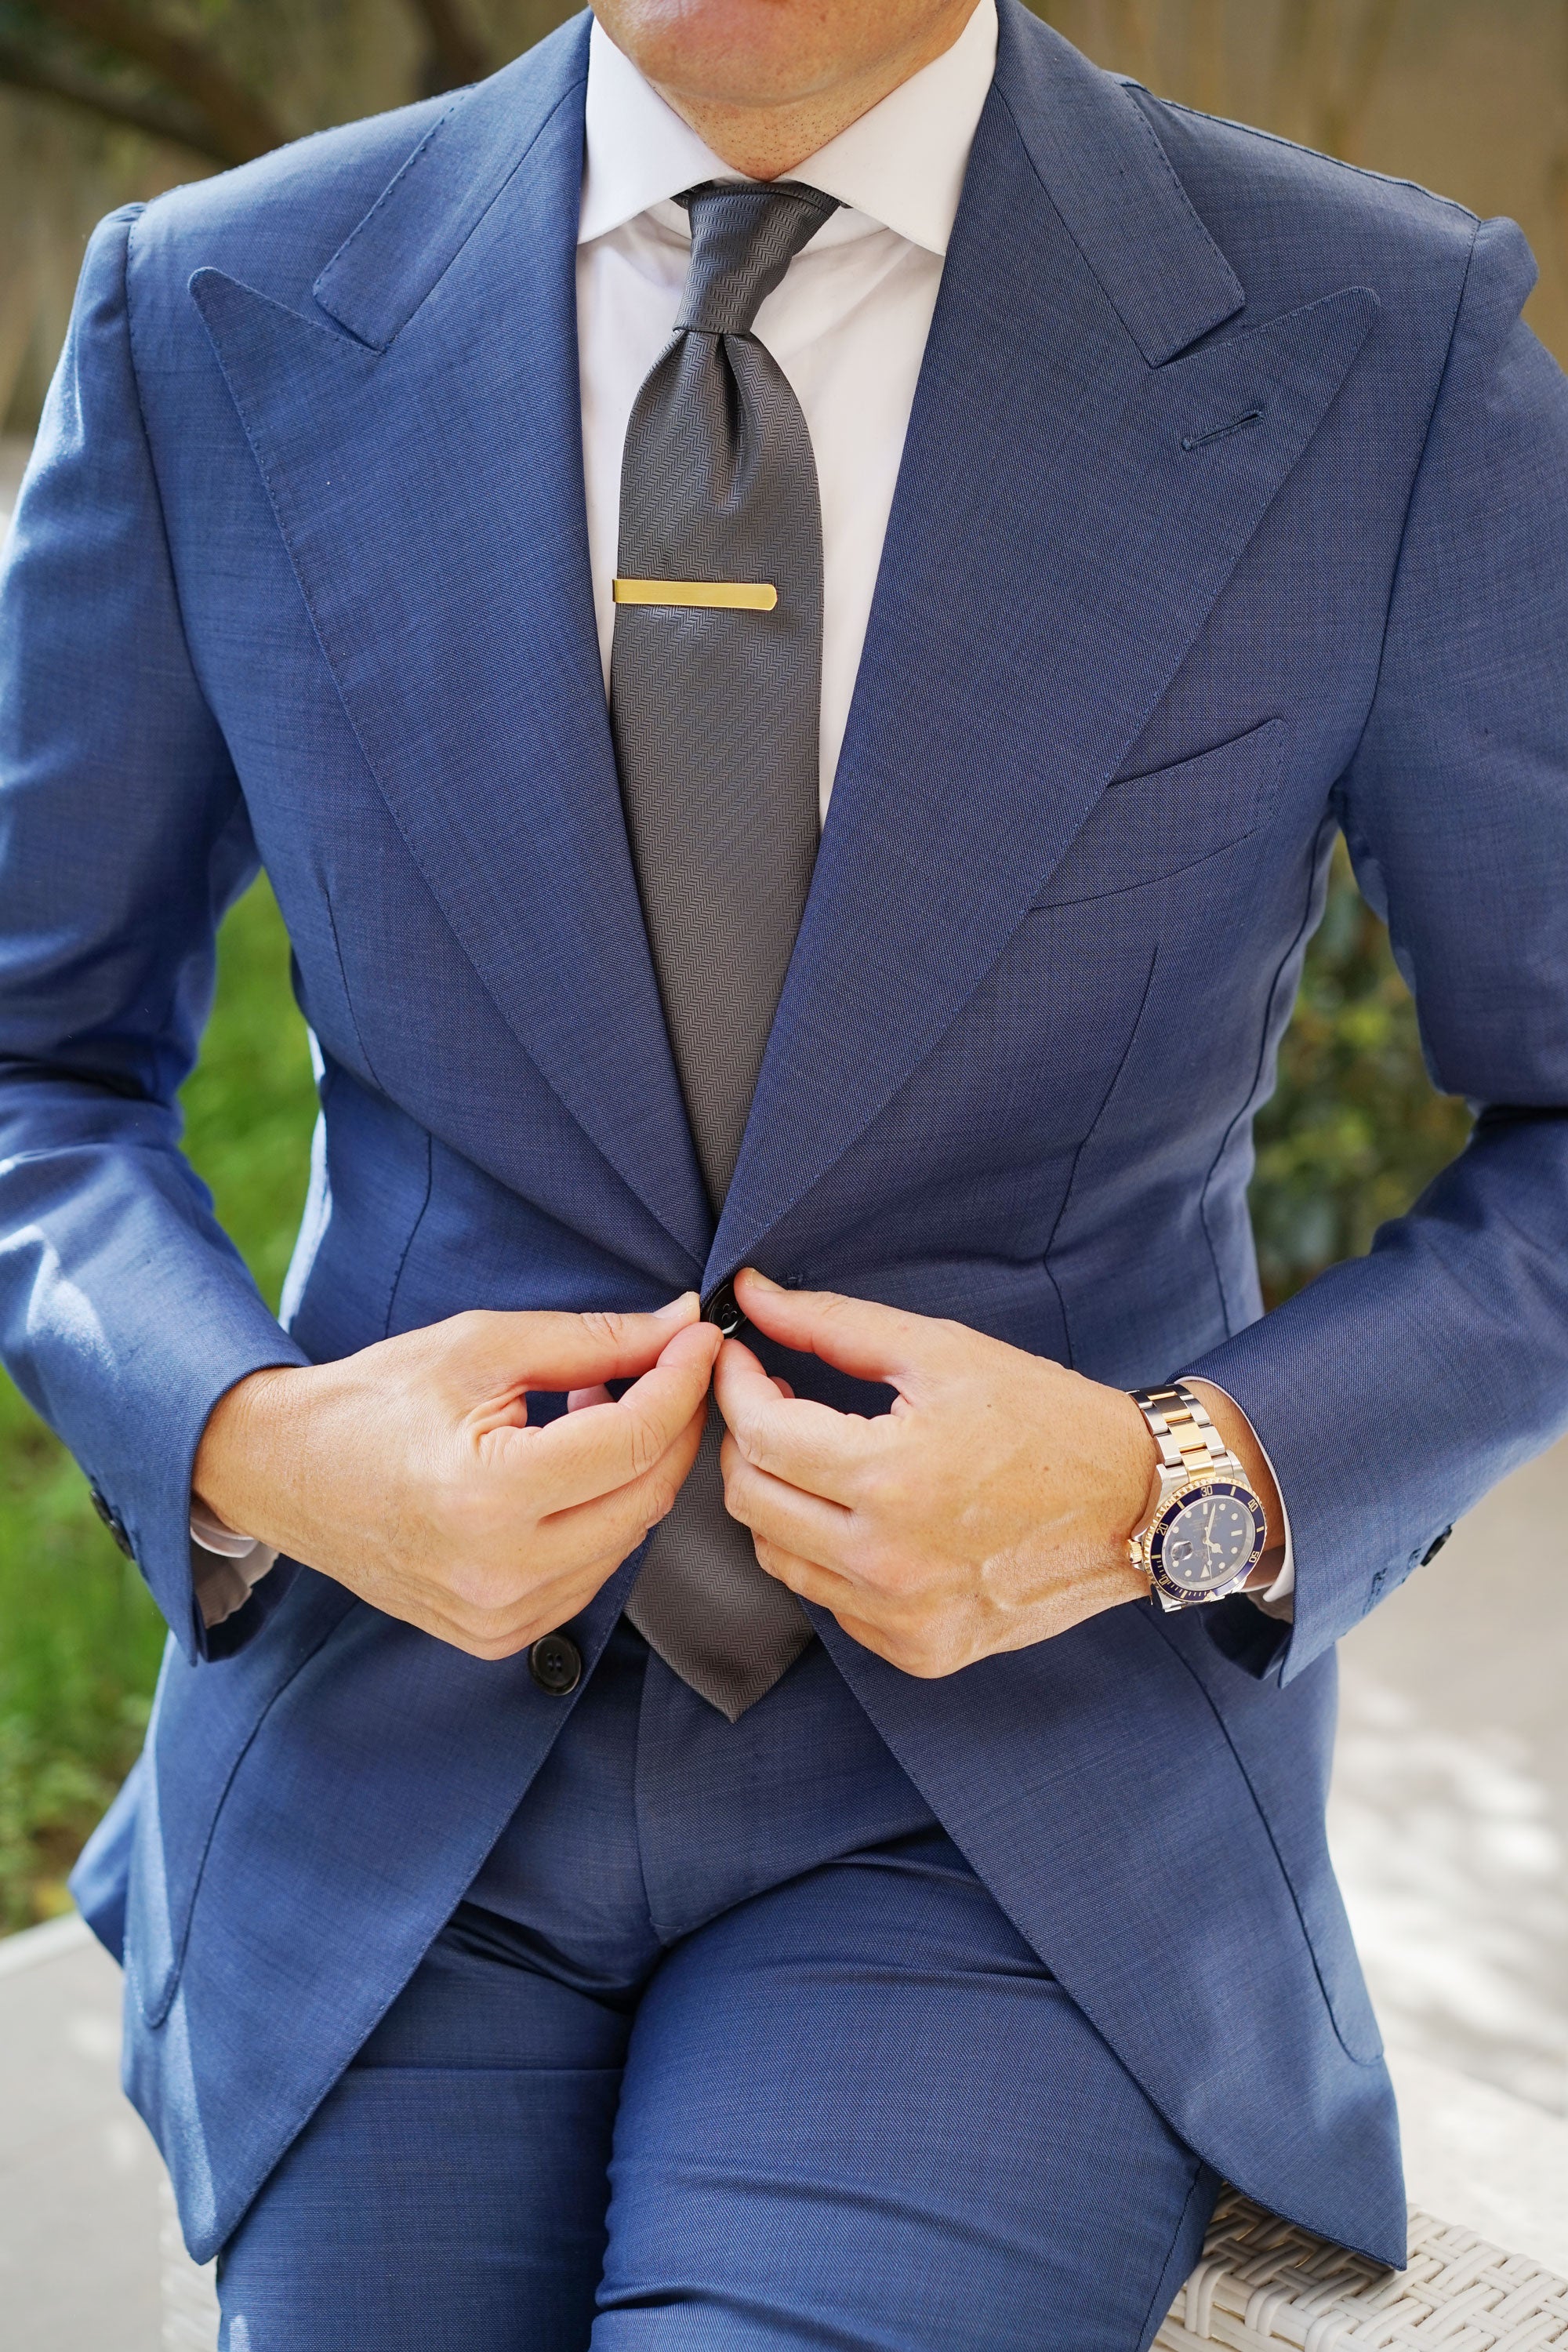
(877, 1907)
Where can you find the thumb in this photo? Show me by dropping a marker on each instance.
(547, 1350)
(854, 1335)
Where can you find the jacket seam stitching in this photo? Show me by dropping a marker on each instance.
(343, 984)
(1199, 2170)
(1416, 472)
(1294, 147)
(405, 172)
(1249, 1101)
(1088, 1135)
(413, 1232)
(178, 1961)
(395, 183)
(239, 809)
(1188, 1668)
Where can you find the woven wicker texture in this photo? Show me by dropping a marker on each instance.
(1263, 2283)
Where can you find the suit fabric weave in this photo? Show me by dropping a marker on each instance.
(300, 576)
(847, 2105)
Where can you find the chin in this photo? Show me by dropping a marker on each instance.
(745, 53)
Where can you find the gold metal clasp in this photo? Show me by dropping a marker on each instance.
(732, 595)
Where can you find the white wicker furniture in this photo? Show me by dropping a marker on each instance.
(1263, 2284)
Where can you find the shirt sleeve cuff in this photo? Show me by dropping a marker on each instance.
(1275, 1600)
(225, 1566)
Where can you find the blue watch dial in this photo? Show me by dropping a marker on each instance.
(1207, 1540)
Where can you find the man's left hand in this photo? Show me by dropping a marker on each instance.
(988, 1510)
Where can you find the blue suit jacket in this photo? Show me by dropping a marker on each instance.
(1231, 512)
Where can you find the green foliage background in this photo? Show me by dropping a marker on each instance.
(79, 1638)
(1352, 1134)
(1355, 1130)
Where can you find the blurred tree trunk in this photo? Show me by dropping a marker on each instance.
(127, 63)
(237, 123)
(1343, 107)
(456, 53)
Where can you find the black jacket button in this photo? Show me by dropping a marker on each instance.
(111, 1520)
(556, 1664)
(722, 1306)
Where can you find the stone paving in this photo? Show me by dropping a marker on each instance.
(78, 2175)
(1449, 1815)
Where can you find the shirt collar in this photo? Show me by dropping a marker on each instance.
(901, 166)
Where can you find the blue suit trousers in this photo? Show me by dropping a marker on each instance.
(728, 2046)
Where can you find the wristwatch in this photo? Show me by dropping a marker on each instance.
(1207, 1530)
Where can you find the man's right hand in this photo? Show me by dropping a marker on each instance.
(408, 1473)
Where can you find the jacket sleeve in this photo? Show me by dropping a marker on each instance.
(1395, 1390)
(125, 1312)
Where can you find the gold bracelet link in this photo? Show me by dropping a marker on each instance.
(1185, 1436)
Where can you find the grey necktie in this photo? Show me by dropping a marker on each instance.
(715, 706)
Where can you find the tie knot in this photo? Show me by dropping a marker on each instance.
(744, 238)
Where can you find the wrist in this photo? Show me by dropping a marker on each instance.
(1139, 1485)
(234, 1475)
(1241, 1440)
(1206, 1534)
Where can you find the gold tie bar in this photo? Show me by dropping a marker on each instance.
(734, 596)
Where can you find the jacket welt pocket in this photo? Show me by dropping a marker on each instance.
(1145, 829)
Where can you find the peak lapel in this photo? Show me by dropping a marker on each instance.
(425, 471)
(1060, 530)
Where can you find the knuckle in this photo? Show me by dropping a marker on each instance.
(468, 1514)
(472, 1589)
(493, 1647)
(660, 1499)
(736, 1474)
(481, 1639)
(882, 1490)
(604, 1324)
(873, 1560)
(646, 1445)
(916, 1656)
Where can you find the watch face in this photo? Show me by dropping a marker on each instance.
(1210, 1538)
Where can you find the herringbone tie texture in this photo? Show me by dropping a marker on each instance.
(715, 712)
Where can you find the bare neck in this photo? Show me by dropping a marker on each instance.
(766, 140)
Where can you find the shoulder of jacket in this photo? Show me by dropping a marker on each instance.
(1233, 168)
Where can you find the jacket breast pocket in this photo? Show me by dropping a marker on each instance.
(1145, 829)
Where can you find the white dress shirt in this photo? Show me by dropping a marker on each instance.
(847, 325)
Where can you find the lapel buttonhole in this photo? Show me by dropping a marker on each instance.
(1221, 432)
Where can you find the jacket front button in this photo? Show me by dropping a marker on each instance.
(723, 1307)
(556, 1664)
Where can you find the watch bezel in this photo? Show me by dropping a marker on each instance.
(1171, 1506)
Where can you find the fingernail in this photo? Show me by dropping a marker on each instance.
(761, 1280)
(687, 1299)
